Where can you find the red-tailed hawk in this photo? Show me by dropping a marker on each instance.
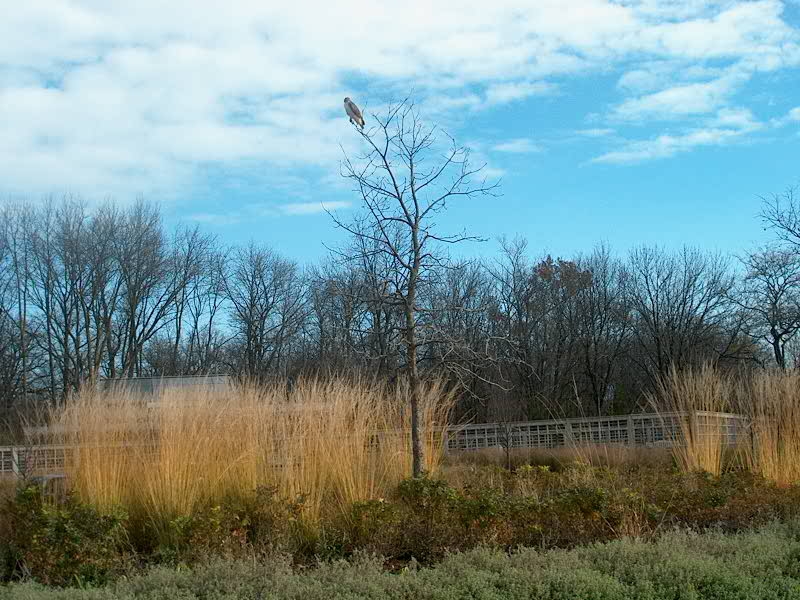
(352, 111)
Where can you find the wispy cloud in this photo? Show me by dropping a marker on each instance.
(256, 211)
(727, 126)
(595, 133)
(517, 146)
(741, 119)
(313, 208)
(665, 146)
(501, 93)
(678, 101)
(220, 220)
(791, 117)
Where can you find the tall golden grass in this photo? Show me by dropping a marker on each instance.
(702, 443)
(770, 401)
(331, 442)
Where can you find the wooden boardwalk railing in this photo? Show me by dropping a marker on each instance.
(644, 429)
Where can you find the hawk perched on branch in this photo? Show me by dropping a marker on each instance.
(352, 111)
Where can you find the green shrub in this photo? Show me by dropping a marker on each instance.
(65, 544)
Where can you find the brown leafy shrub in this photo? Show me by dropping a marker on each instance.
(264, 523)
(537, 507)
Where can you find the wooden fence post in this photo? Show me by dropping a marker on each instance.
(15, 461)
(569, 437)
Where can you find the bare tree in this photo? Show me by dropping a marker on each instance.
(781, 214)
(604, 321)
(106, 286)
(537, 309)
(15, 228)
(464, 342)
(339, 324)
(206, 341)
(268, 303)
(354, 312)
(191, 255)
(10, 359)
(770, 292)
(404, 180)
(680, 304)
(151, 279)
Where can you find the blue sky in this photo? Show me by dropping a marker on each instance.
(630, 122)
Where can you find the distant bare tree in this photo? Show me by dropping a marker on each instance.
(781, 214)
(680, 304)
(106, 286)
(463, 341)
(404, 180)
(346, 333)
(770, 292)
(154, 276)
(10, 359)
(191, 265)
(537, 309)
(16, 221)
(604, 321)
(268, 302)
(206, 341)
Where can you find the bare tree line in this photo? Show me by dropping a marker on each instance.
(99, 292)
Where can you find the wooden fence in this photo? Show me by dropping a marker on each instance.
(644, 429)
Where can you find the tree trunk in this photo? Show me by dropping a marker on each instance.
(777, 347)
(417, 447)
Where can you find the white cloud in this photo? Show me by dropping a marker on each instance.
(665, 146)
(727, 126)
(791, 117)
(492, 174)
(595, 132)
(650, 77)
(680, 100)
(124, 98)
(479, 159)
(255, 211)
(313, 208)
(501, 93)
(517, 146)
(754, 29)
(741, 119)
(216, 219)
(642, 80)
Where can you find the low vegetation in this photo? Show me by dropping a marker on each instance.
(755, 565)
